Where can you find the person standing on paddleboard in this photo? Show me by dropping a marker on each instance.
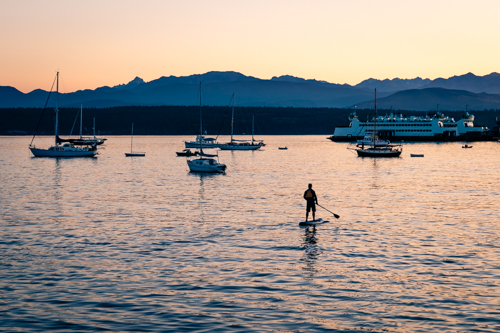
(312, 200)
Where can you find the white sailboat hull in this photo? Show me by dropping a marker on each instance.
(61, 152)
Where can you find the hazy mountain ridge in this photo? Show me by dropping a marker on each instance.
(435, 99)
(394, 85)
(282, 91)
(478, 84)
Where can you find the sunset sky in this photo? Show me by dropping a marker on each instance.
(96, 43)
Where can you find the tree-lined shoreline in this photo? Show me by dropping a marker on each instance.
(184, 120)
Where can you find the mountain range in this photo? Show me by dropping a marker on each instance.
(465, 92)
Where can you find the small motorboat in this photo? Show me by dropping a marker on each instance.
(466, 146)
(187, 152)
(373, 140)
(282, 148)
(208, 163)
(416, 155)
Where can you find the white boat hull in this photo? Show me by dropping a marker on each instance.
(206, 165)
(201, 142)
(194, 144)
(54, 152)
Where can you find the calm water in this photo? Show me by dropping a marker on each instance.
(140, 244)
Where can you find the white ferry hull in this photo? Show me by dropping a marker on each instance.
(399, 128)
(398, 138)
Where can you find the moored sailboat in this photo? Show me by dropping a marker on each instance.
(375, 149)
(201, 140)
(66, 149)
(206, 163)
(132, 153)
(256, 142)
(238, 144)
(83, 141)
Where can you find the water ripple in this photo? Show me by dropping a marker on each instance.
(117, 244)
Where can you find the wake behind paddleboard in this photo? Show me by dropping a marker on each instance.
(318, 221)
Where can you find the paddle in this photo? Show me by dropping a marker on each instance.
(336, 216)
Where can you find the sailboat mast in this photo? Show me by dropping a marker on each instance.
(56, 130)
(253, 121)
(132, 138)
(375, 122)
(81, 119)
(93, 127)
(201, 119)
(232, 120)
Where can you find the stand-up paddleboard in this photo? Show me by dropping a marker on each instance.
(318, 221)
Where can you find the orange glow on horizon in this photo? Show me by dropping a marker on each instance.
(96, 44)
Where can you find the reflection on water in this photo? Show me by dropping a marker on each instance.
(119, 244)
(311, 250)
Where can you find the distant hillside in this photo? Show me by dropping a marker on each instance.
(431, 99)
(393, 85)
(489, 83)
(218, 88)
(470, 82)
(282, 91)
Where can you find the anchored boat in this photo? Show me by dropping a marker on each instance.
(66, 149)
(132, 153)
(187, 152)
(373, 149)
(201, 140)
(208, 163)
(238, 144)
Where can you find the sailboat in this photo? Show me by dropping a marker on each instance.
(201, 139)
(373, 149)
(95, 139)
(258, 142)
(82, 141)
(132, 153)
(238, 144)
(67, 149)
(208, 163)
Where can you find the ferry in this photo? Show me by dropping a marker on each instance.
(396, 127)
